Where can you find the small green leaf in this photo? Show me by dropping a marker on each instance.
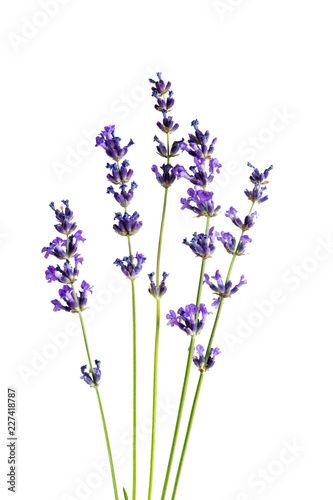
(125, 494)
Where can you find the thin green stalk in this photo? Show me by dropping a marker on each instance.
(134, 373)
(134, 391)
(196, 397)
(99, 401)
(157, 334)
(186, 379)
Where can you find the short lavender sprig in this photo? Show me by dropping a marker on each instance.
(166, 176)
(67, 249)
(203, 366)
(128, 225)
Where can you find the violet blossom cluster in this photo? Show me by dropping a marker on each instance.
(190, 319)
(199, 358)
(230, 243)
(64, 250)
(120, 175)
(165, 101)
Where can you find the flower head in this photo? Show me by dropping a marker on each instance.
(248, 221)
(129, 268)
(63, 249)
(119, 174)
(197, 145)
(92, 381)
(221, 289)
(229, 242)
(256, 195)
(70, 304)
(128, 225)
(202, 245)
(168, 175)
(186, 319)
(154, 290)
(256, 177)
(159, 86)
(64, 216)
(203, 203)
(125, 197)
(111, 144)
(199, 358)
(66, 275)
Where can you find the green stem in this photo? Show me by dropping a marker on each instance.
(186, 378)
(134, 391)
(196, 397)
(134, 372)
(99, 401)
(157, 335)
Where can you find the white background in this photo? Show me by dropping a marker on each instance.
(236, 66)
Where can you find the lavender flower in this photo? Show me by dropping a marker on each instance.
(198, 143)
(63, 249)
(111, 144)
(93, 382)
(248, 221)
(168, 125)
(154, 290)
(64, 216)
(229, 242)
(199, 358)
(221, 289)
(66, 275)
(169, 174)
(256, 195)
(159, 88)
(203, 202)
(202, 245)
(120, 174)
(67, 295)
(128, 267)
(124, 198)
(128, 224)
(185, 319)
(256, 177)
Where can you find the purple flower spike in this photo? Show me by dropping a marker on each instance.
(60, 249)
(256, 177)
(256, 195)
(66, 275)
(185, 319)
(87, 376)
(64, 216)
(128, 225)
(203, 202)
(124, 198)
(157, 291)
(202, 245)
(221, 289)
(229, 243)
(248, 221)
(111, 144)
(119, 175)
(199, 177)
(67, 295)
(169, 174)
(168, 126)
(128, 267)
(198, 144)
(199, 358)
(159, 88)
